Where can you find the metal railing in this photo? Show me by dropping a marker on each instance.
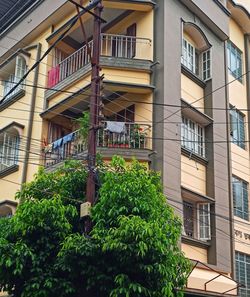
(134, 136)
(117, 46)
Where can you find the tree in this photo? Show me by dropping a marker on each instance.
(133, 249)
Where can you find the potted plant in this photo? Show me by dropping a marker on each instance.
(137, 137)
(124, 144)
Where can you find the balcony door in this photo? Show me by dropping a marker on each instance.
(124, 46)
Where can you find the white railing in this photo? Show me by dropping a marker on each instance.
(75, 61)
(134, 136)
(9, 84)
(123, 46)
(117, 46)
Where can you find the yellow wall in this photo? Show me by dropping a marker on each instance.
(195, 253)
(193, 175)
(190, 92)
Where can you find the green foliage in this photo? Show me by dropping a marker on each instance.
(29, 244)
(68, 182)
(134, 242)
(84, 125)
(132, 250)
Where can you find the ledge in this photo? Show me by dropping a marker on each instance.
(195, 242)
(120, 63)
(9, 170)
(108, 153)
(7, 102)
(186, 152)
(109, 62)
(190, 194)
(127, 154)
(193, 113)
(192, 76)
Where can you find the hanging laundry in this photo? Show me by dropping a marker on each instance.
(116, 127)
(57, 143)
(68, 138)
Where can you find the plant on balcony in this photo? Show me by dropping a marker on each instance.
(83, 122)
(124, 144)
(137, 137)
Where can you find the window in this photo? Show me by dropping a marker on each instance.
(240, 198)
(188, 55)
(193, 136)
(206, 65)
(197, 62)
(237, 127)
(9, 143)
(242, 271)
(126, 115)
(234, 60)
(197, 220)
(17, 73)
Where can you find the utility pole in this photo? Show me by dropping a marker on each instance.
(94, 111)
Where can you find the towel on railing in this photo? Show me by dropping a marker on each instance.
(53, 76)
(116, 127)
(57, 143)
(68, 138)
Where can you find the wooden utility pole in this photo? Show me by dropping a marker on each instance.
(94, 111)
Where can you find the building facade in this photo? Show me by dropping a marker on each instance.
(176, 95)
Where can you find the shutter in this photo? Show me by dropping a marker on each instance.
(204, 222)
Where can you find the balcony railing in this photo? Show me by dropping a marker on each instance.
(117, 46)
(8, 85)
(133, 136)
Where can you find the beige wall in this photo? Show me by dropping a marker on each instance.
(190, 92)
(193, 175)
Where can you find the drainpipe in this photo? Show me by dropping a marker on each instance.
(31, 116)
(231, 214)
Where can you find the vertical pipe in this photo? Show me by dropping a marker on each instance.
(31, 118)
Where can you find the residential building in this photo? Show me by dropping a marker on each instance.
(175, 93)
(204, 158)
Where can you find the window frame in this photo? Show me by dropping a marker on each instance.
(185, 55)
(201, 229)
(194, 141)
(244, 201)
(242, 264)
(232, 49)
(9, 149)
(206, 64)
(235, 119)
(199, 67)
(196, 232)
(19, 71)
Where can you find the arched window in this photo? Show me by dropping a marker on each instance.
(5, 211)
(7, 208)
(17, 71)
(196, 51)
(9, 145)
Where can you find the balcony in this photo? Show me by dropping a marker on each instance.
(113, 46)
(133, 141)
